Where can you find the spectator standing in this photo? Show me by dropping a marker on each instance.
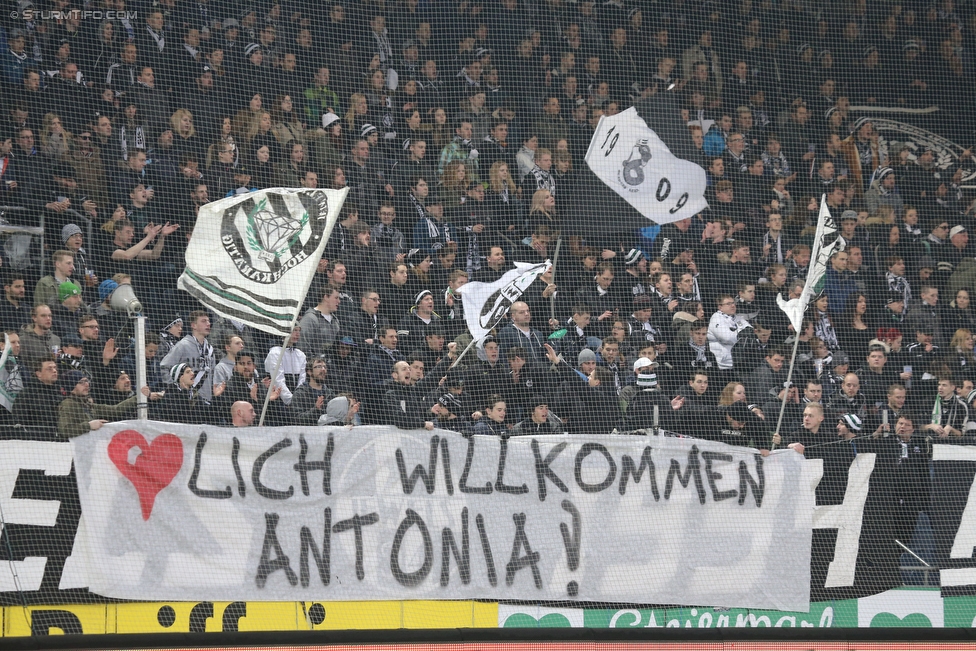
(320, 327)
(37, 340)
(949, 414)
(37, 404)
(196, 351)
(291, 370)
(46, 291)
(14, 310)
(309, 400)
(723, 331)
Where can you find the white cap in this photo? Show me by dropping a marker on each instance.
(328, 119)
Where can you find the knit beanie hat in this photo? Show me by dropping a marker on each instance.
(69, 230)
(176, 372)
(66, 289)
(646, 375)
(853, 422)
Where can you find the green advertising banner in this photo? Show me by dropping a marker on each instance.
(914, 607)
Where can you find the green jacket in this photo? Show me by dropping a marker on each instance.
(46, 291)
(318, 101)
(74, 413)
(964, 277)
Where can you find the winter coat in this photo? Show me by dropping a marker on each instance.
(765, 382)
(927, 318)
(74, 414)
(302, 407)
(723, 333)
(529, 428)
(36, 347)
(877, 196)
(402, 407)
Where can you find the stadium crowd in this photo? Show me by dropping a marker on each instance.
(459, 127)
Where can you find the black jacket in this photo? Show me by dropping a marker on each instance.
(182, 406)
(529, 428)
(361, 326)
(37, 406)
(402, 407)
(640, 411)
(303, 399)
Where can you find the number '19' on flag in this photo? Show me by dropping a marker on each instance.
(627, 156)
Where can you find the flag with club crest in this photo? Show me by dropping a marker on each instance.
(485, 304)
(252, 257)
(631, 159)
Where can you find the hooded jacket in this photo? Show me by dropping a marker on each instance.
(200, 357)
(723, 333)
(34, 347)
(318, 332)
(335, 412)
(878, 196)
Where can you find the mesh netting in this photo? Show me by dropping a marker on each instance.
(622, 308)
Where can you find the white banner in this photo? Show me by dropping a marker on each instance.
(178, 512)
(635, 163)
(252, 257)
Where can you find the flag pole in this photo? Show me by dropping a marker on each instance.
(274, 376)
(463, 353)
(786, 391)
(555, 259)
(298, 311)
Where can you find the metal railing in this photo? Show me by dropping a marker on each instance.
(10, 230)
(41, 230)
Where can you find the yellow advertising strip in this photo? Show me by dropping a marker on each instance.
(199, 617)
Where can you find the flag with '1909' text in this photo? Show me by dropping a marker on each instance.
(627, 156)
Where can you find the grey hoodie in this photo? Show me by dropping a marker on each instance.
(335, 411)
(199, 357)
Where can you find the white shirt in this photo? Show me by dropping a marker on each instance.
(293, 363)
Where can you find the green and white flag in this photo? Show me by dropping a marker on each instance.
(252, 257)
(825, 244)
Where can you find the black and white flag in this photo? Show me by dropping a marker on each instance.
(826, 243)
(485, 304)
(630, 158)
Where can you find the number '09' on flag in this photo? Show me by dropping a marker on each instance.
(631, 159)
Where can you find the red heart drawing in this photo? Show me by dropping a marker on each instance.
(154, 468)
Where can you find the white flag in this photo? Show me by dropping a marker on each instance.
(252, 257)
(632, 160)
(486, 303)
(825, 244)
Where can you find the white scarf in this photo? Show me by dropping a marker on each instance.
(159, 38)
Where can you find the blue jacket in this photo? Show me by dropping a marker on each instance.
(838, 285)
